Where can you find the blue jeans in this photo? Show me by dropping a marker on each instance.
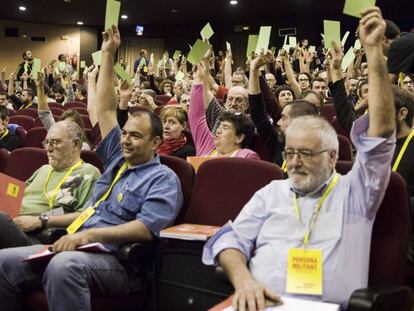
(69, 279)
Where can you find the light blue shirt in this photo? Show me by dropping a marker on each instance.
(268, 227)
(150, 192)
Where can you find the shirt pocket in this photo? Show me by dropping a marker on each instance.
(128, 204)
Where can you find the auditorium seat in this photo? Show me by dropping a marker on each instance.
(164, 98)
(74, 104)
(86, 122)
(338, 128)
(260, 148)
(21, 133)
(11, 112)
(23, 162)
(56, 105)
(56, 111)
(328, 111)
(34, 137)
(31, 112)
(4, 157)
(222, 187)
(91, 157)
(345, 149)
(25, 121)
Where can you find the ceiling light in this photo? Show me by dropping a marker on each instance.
(246, 27)
(174, 11)
(79, 23)
(22, 8)
(233, 2)
(124, 16)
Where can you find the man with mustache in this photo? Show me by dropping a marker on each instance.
(288, 226)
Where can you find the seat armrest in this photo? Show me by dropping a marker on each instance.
(50, 235)
(396, 298)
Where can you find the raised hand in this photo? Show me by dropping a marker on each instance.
(92, 73)
(262, 59)
(336, 56)
(111, 40)
(12, 76)
(371, 27)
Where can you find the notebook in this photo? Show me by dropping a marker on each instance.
(11, 195)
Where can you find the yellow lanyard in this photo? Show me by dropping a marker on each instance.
(108, 192)
(284, 167)
(402, 151)
(316, 210)
(4, 135)
(51, 199)
(87, 213)
(25, 107)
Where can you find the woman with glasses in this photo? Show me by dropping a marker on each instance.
(174, 122)
(235, 130)
(407, 83)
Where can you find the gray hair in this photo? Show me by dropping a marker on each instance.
(324, 130)
(72, 130)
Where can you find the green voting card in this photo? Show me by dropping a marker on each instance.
(344, 38)
(62, 66)
(264, 38)
(312, 49)
(355, 7)
(198, 51)
(176, 55)
(348, 58)
(292, 41)
(122, 73)
(251, 44)
(228, 46)
(96, 56)
(332, 32)
(36, 67)
(112, 13)
(83, 64)
(207, 32)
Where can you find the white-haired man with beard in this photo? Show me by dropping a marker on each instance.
(295, 236)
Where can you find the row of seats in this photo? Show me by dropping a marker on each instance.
(216, 195)
(22, 162)
(28, 121)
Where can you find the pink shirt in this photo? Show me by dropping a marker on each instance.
(203, 138)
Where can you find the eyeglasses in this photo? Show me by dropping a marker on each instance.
(408, 82)
(303, 154)
(53, 142)
(304, 79)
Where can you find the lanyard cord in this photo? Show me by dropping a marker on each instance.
(402, 151)
(316, 210)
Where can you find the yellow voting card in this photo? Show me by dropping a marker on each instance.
(304, 272)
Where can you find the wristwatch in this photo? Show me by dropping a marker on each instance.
(44, 219)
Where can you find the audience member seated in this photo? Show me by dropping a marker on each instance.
(316, 213)
(62, 186)
(175, 122)
(8, 139)
(235, 130)
(272, 137)
(135, 198)
(25, 100)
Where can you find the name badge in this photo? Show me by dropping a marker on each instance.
(80, 220)
(304, 272)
